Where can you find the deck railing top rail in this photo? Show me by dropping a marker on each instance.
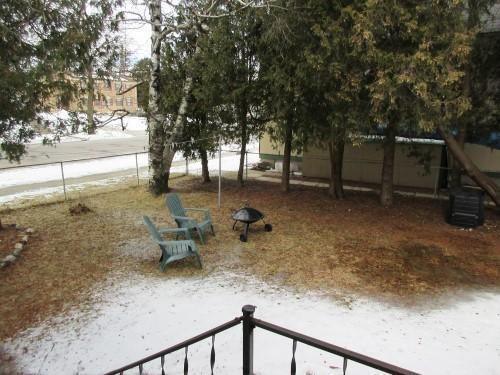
(337, 350)
(181, 345)
(249, 323)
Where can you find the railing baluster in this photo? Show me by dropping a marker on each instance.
(212, 356)
(345, 365)
(162, 365)
(140, 369)
(293, 369)
(186, 364)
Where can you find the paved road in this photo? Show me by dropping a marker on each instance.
(38, 153)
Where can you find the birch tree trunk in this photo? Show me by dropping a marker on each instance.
(91, 128)
(176, 131)
(387, 185)
(482, 180)
(158, 182)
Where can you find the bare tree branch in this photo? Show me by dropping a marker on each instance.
(122, 113)
(130, 88)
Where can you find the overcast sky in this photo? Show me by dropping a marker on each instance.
(136, 34)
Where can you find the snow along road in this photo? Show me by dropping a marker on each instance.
(25, 181)
(36, 181)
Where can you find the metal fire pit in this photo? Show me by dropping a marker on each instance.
(247, 216)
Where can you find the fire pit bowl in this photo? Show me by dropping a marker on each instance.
(247, 216)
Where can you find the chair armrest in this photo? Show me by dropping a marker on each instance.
(182, 218)
(197, 209)
(172, 230)
(205, 210)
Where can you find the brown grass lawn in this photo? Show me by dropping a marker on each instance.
(338, 247)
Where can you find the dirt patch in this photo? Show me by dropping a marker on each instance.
(352, 246)
(8, 239)
(79, 209)
(413, 267)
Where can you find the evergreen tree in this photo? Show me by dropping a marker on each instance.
(34, 41)
(96, 47)
(474, 80)
(39, 42)
(231, 67)
(288, 86)
(198, 137)
(141, 73)
(337, 73)
(185, 17)
(416, 53)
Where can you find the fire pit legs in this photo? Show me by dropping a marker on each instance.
(244, 235)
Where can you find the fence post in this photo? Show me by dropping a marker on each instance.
(64, 182)
(436, 183)
(137, 168)
(248, 327)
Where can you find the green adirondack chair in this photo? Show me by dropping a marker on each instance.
(178, 212)
(172, 250)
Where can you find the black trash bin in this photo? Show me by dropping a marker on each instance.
(466, 207)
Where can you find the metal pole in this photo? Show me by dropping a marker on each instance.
(248, 327)
(437, 181)
(187, 167)
(64, 182)
(220, 173)
(137, 168)
(246, 165)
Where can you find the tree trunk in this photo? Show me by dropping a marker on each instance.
(205, 174)
(336, 151)
(456, 169)
(91, 128)
(159, 175)
(387, 188)
(243, 123)
(482, 180)
(176, 131)
(285, 176)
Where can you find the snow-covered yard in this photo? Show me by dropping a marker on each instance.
(141, 316)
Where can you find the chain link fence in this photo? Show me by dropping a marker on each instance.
(70, 179)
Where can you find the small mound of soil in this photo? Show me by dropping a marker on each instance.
(79, 209)
(8, 239)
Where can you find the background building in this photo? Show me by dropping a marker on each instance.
(109, 95)
(363, 163)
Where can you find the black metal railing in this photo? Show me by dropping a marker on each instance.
(249, 323)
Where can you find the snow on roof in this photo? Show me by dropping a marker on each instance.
(422, 141)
